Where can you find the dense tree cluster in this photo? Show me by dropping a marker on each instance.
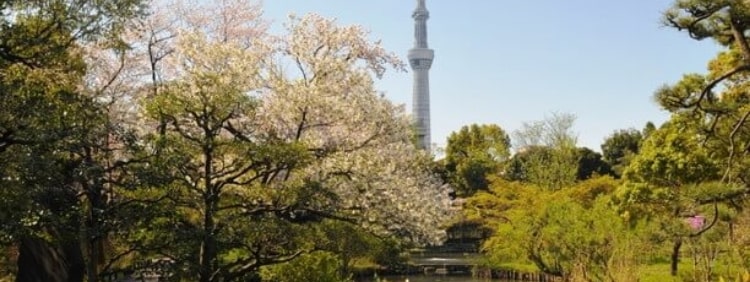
(675, 199)
(187, 138)
(546, 154)
(175, 134)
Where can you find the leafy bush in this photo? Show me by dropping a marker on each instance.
(313, 267)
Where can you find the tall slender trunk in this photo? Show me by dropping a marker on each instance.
(94, 204)
(92, 272)
(208, 246)
(675, 256)
(93, 266)
(210, 200)
(93, 238)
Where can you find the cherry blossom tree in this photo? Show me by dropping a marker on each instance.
(259, 138)
(361, 141)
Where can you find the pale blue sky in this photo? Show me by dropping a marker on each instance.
(507, 62)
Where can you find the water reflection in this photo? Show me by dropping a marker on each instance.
(431, 278)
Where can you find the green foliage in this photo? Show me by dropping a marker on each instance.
(620, 147)
(226, 182)
(671, 157)
(672, 98)
(491, 206)
(500, 209)
(742, 277)
(555, 130)
(590, 164)
(56, 141)
(313, 267)
(715, 103)
(669, 182)
(648, 129)
(574, 232)
(693, 166)
(88, 163)
(8, 268)
(33, 33)
(472, 154)
(672, 179)
(351, 244)
(546, 152)
(389, 253)
(548, 167)
(588, 191)
(576, 241)
(704, 19)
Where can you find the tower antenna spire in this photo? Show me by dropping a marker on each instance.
(420, 60)
(420, 4)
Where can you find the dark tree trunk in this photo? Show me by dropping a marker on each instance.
(209, 246)
(42, 261)
(675, 256)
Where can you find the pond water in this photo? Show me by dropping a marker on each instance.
(430, 278)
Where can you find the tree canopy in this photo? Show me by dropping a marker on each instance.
(619, 147)
(193, 137)
(132, 137)
(473, 153)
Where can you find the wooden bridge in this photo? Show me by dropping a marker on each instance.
(450, 262)
(445, 263)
